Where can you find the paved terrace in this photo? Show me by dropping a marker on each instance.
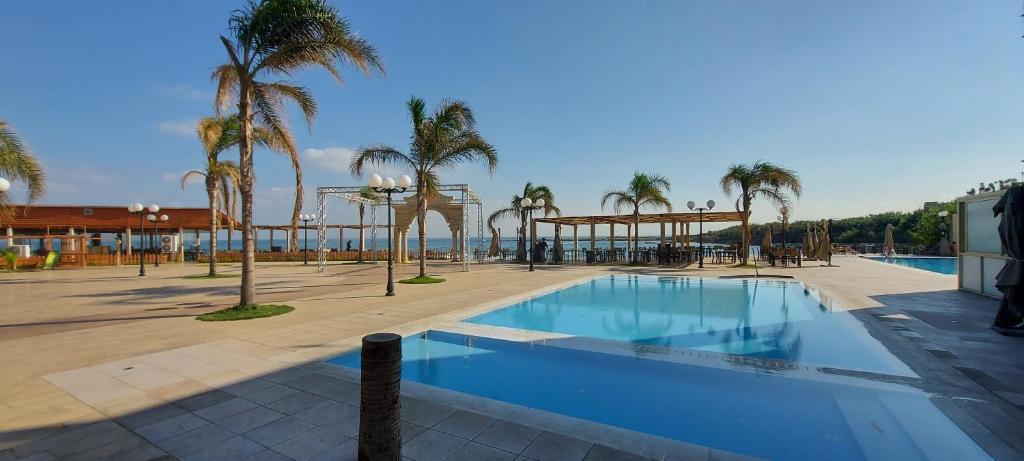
(103, 364)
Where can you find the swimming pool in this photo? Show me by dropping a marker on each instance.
(768, 415)
(942, 265)
(681, 357)
(772, 319)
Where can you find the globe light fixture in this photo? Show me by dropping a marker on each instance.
(4, 185)
(388, 187)
(700, 220)
(526, 202)
(137, 208)
(306, 218)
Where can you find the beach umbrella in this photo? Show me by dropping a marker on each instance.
(889, 242)
(1010, 280)
(495, 248)
(824, 244)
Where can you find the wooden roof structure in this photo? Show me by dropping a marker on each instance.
(288, 227)
(645, 218)
(37, 219)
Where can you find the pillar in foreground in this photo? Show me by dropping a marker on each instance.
(380, 435)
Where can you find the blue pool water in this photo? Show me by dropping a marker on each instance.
(751, 317)
(760, 414)
(929, 263)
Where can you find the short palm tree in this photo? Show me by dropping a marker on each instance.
(218, 134)
(762, 179)
(644, 190)
(516, 210)
(445, 139)
(274, 39)
(17, 163)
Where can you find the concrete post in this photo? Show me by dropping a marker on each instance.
(593, 234)
(380, 422)
(181, 245)
(687, 234)
(128, 234)
(575, 238)
(341, 238)
(611, 242)
(10, 237)
(629, 241)
(271, 238)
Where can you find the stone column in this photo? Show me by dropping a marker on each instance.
(271, 238)
(128, 238)
(629, 241)
(611, 242)
(593, 234)
(575, 238)
(455, 242)
(181, 245)
(10, 237)
(341, 238)
(662, 241)
(687, 234)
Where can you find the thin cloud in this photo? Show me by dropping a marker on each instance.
(184, 128)
(335, 158)
(186, 92)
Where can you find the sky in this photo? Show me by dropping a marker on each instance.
(878, 105)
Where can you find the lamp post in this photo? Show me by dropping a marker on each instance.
(388, 186)
(784, 219)
(137, 208)
(529, 206)
(152, 218)
(306, 218)
(700, 225)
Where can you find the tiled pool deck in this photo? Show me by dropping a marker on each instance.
(103, 365)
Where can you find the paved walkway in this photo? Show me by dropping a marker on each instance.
(105, 363)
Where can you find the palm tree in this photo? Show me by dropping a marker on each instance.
(17, 163)
(276, 38)
(443, 140)
(515, 210)
(369, 194)
(644, 190)
(762, 179)
(218, 134)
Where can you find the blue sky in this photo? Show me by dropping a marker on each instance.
(879, 105)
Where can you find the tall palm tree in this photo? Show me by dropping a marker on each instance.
(644, 190)
(762, 179)
(515, 210)
(217, 134)
(276, 38)
(445, 139)
(368, 194)
(18, 164)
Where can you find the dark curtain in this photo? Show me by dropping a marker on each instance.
(1010, 318)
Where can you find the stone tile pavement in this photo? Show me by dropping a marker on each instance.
(167, 387)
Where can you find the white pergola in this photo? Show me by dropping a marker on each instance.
(462, 198)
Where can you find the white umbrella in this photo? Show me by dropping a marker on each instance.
(890, 244)
(824, 244)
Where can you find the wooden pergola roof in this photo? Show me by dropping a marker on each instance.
(288, 227)
(103, 219)
(645, 218)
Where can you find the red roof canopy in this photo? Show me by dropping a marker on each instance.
(58, 218)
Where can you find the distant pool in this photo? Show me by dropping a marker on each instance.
(938, 264)
(764, 414)
(771, 319)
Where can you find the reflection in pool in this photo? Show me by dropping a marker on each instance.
(751, 317)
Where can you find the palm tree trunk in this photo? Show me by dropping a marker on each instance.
(247, 295)
(421, 215)
(297, 209)
(521, 243)
(746, 231)
(636, 236)
(211, 190)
